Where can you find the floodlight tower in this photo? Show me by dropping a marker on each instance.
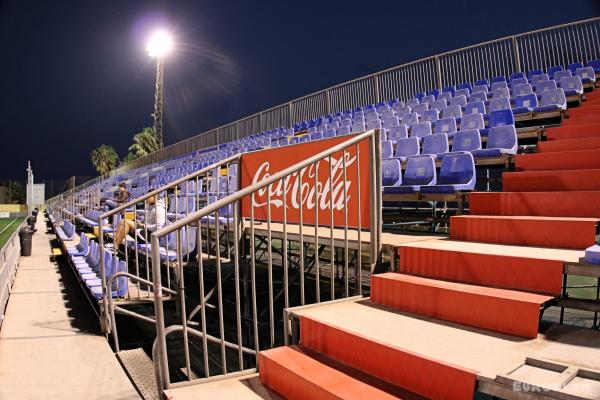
(158, 47)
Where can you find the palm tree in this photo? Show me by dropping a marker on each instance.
(144, 143)
(105, 159)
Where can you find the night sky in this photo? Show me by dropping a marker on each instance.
(75, 74)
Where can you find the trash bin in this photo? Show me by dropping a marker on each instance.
(25, 235)
(31, 222)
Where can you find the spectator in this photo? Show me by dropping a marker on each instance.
(155, 218)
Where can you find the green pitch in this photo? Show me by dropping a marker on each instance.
(7, 227)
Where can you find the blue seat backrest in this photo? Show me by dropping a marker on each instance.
(502, 137)
(472, 121)
(462, 92)
(453, 111)
(497, 85)
(343, 130)
(558, 75)
(390, 171)
(412, 102)
(387, 149)
(407, 147)
(467, 140)
(410, 119)
(430, 115)
(556, 96)
(445, 96)
(329, 133)
(420, 171)
(480, 88)
(535, 79)
(552, 70)
(477, 96)
(518, 81)
(544, 86)
(594, 64)
(389, 122)
(458, 101)
(316, 136)
(449, 89)
(439, 104)
(420, 108)
(457, 169)
(501, 103)
(501, 117)
(497, 79)
(528, 100)
(482, 82)
(516, 75)
(573, 67)
(465, 85)
(398, 132)
(428, 99)
(445, 125)
(403, 111)
(522, 89)
(501, 92)
(435, 144)
(571, 83)
(433, 92)
(475, 107)
(533, 72)
(586, 73)
(420, 129)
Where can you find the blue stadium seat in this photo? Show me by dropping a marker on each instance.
(412, 102)
(552, 100)
(462, 92)
(571, 85)
(501, 103)
(516, 75)
(497, 79)
(420, 172)
(445, 125)
(359, 126)
(420, 108)
(329, 133)
(401, 112)
(477, 96)
(453, 111)
(525, 104)
(522, 90)
(391, 172)
(533, 72)
(466, 141)
(460, 101)
(501, 92)
(484, 82)
(397, 132)
(395, 101)
(343, 130)
(374, 124)
(410, 119)
(420, 129)
(498, 85)
(480, 89)
(472, 121)
(435, 144)
(427, 99)
(552, 70)
(595, 64)
(535, 79)
(439, 104)
(465, 85)
(420, 95)
(592, 255)
(501, 117)
(445, 96)
(457, 173)
(398, 106)
(430, 115)
(387, 149)
(389, 122)
(477, 107)
(448, 89)
(573, 67)
(518, 81)
(407, 147)
(558, 75)
(501, 140)
(586, 74)
(433, 92)
(545, 86)
(316, 136)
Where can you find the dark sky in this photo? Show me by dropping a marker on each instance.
(74, 74)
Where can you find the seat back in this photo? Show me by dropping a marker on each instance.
(544, 86)
(528, 101)
(435, 144)
(556, 96)
(387, 149)
(407, 147)
(430, 115)
(481, 82)
(390, 172)
(479, 89)
(448, 89)
(420, 171)
(503, 137)
(586, 73)
(518, 81)
(462, 92)
(390, 122)
(500, 93)
(467, 140)
(397, 132)
(501, 117)
(420, 129)
(536, 79)
(533, 72)
(477, 96)
(445, 125)
(458, 100)
(477, 107)
(439, 104)
(453, 111)
(516, 75)
(445, 96)
(558, 75)
(522, 89)
(427, 99)
(458, 169)
(498, 85)
(573, 67)
(412, 102)
(433, 92)
(410, 119)
(553, 69)
(472, 121)
(572, 83)
(502, 103)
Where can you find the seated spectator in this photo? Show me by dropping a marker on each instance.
(155, 218)
(123, 195)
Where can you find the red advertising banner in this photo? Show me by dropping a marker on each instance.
(258, 166)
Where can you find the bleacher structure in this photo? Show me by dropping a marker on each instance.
(410, 234)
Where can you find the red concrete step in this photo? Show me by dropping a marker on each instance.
(586, 119)
(586, 111)
(417, 373)
(574, 131)
(550, 181)
(549, 204)
(492, 265)
(572, 160)
(500, 310)
(296, 374)
(551, 146)
(568, 233)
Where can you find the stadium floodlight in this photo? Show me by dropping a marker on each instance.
(160, 44)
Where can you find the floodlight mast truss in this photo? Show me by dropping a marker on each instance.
(158, 100)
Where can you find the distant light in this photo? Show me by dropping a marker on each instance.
(160, 44)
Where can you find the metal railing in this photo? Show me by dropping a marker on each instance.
(9, 260)
(177, 198)
(559, 45)
(272, 266)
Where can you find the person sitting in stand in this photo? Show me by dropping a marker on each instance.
(123, 195)
(155, 218)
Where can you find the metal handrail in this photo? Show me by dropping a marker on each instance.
(375, 231)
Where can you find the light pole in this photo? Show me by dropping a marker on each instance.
(159, 45)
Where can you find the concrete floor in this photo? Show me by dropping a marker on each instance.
(50, 344)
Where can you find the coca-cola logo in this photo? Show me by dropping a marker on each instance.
(323, 193)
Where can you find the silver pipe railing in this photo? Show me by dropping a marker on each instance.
(9, 261)
(263, 258)
(137, 254)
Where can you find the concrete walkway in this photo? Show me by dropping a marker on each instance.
(50, 344)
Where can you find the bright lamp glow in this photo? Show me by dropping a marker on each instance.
(159, 45)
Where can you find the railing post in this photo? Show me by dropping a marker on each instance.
(516, 53)
(377, 93)
(104, 321)
(328, 99)
(290, 114)
(159, 315)
(438, 72)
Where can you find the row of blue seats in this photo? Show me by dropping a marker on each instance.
(66, 231)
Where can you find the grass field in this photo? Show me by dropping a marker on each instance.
(7, 227)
